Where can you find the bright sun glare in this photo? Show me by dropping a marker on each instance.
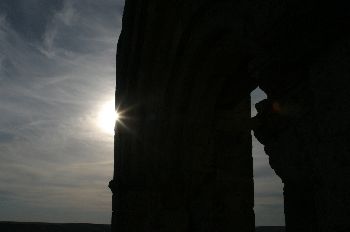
(107, 117)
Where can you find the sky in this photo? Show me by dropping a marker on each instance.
(57, 74)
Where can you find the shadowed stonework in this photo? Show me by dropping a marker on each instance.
(185, 70)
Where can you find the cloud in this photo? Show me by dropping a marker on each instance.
(5, 137)
(56, 163)
(256, 96)
(29, 18)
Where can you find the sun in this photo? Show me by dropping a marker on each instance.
(107, 117)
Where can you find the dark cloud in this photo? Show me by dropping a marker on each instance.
(6, 137)
(7, 69)
(30, 17)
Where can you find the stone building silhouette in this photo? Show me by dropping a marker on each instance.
(185, 70)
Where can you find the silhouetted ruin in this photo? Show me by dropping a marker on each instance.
(185, 71)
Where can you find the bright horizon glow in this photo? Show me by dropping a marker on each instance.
(107, 117)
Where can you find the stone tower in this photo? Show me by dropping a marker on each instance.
(183, 161)
(185, 70)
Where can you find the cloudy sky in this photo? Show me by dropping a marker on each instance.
(57, 74)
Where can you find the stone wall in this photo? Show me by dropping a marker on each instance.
(185, 70)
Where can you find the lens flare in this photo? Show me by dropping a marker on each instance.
(107, 117)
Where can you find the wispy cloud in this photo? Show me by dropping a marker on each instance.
(56, 70)
(55, 162)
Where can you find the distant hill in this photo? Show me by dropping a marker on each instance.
(83, 227)
(52, 227)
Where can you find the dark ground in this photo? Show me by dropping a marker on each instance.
(83, 227)
(270, 229)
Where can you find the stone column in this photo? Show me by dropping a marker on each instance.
(183, 150)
